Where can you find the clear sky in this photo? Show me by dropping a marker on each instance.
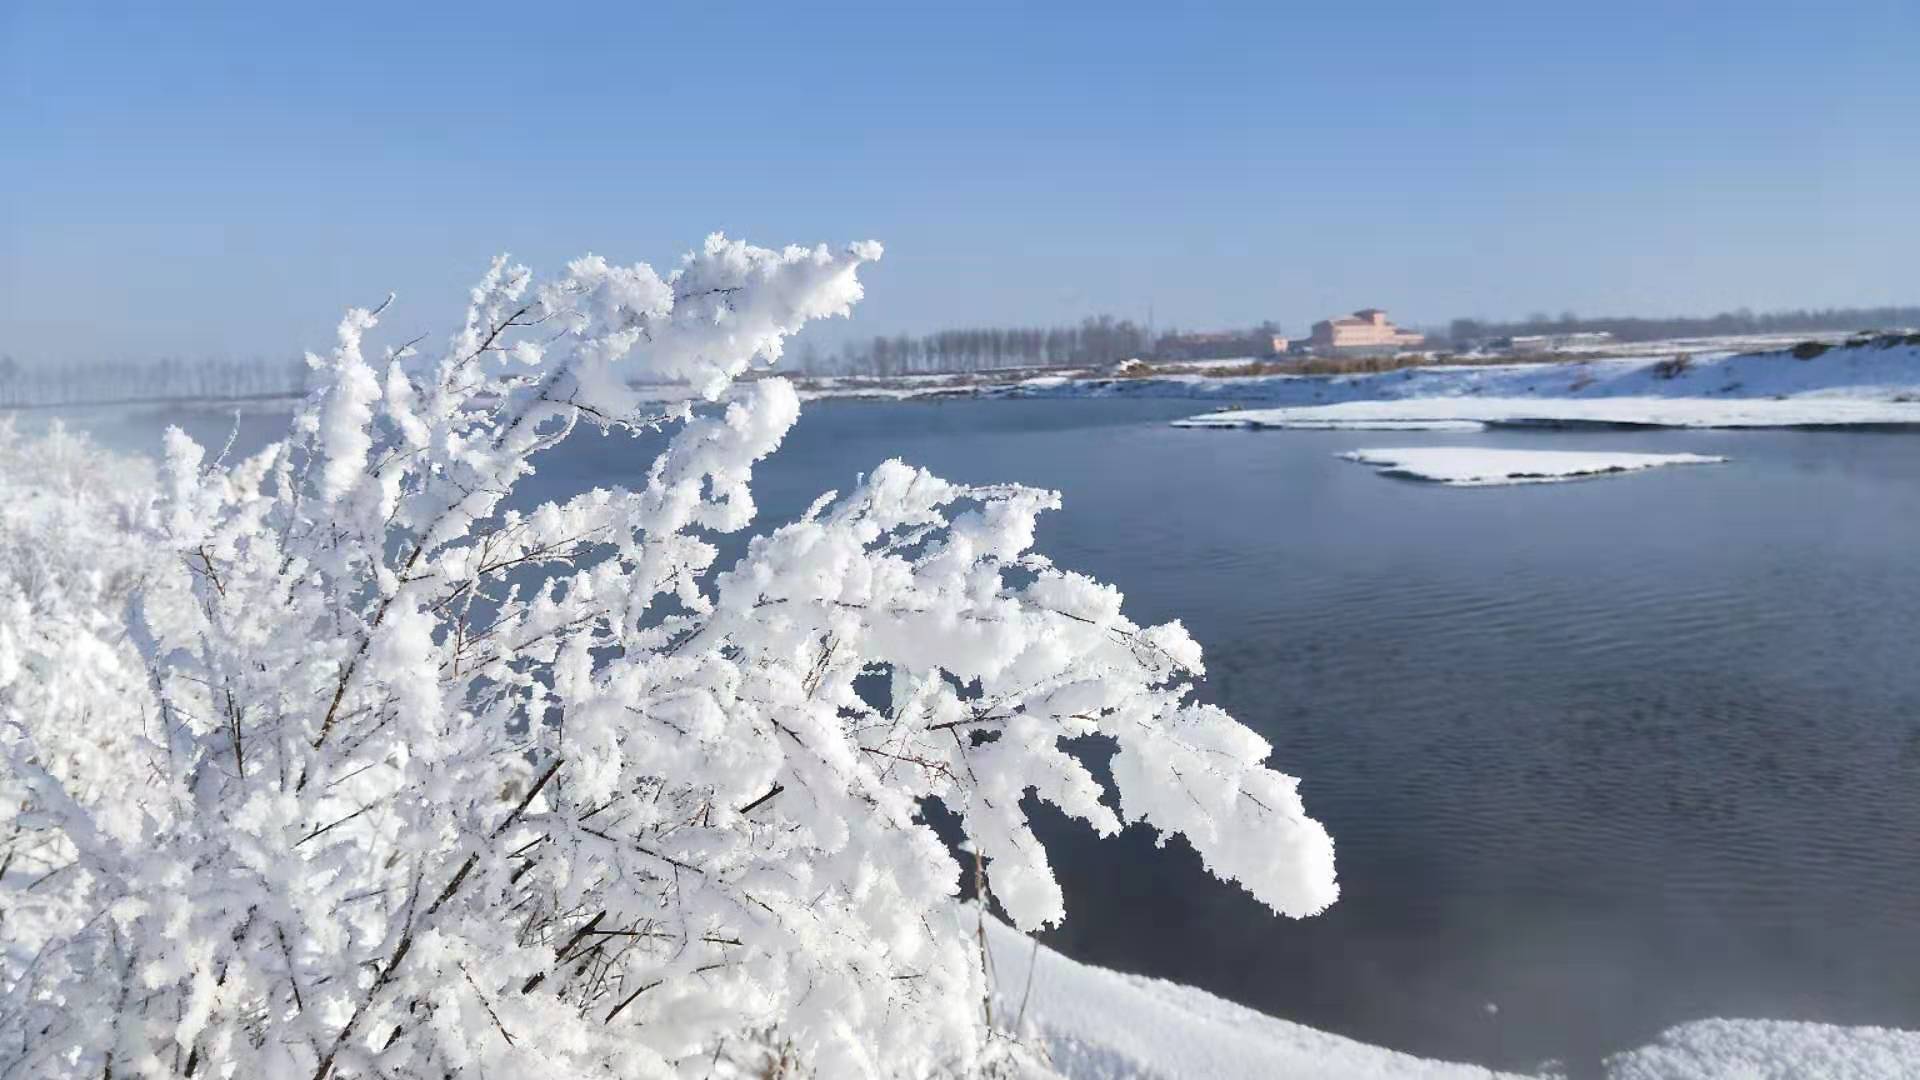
(206, 179)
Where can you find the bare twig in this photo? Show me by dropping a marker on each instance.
(628, 1000)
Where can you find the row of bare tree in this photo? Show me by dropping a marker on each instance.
(1632, 328)
(1101, 339)
(167, 379)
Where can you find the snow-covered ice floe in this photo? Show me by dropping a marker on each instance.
(1096, 1024)
(1472, 466)
(1239, 420)
(1667, 412)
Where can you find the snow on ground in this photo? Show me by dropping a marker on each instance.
(1804, 411)
(1869, 383)
(937, 384)
(1476, 466)
(1771, 1050)
(1096, 1024)
(1722, 345)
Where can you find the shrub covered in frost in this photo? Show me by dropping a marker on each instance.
(323, 763)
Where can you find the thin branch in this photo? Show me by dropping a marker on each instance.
(325, 828)
(750, 807)
(628, 1000)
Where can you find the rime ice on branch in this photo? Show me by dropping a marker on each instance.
(320, 763)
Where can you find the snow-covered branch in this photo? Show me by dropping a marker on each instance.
(321, 763)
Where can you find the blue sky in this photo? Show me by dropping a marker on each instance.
(210, 179)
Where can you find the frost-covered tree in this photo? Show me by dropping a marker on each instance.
(324, 763)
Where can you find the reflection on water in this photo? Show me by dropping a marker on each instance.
(1608, 755)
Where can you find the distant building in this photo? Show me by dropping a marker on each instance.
(1366, 330)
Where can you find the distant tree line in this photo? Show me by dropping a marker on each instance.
(1101, 339)
(1628, 328)
(166, 379)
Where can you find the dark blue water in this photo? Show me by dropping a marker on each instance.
(1608, 756)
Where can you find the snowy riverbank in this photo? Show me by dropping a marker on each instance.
(1475, 413)
(1096, 1024)
(1870, 382)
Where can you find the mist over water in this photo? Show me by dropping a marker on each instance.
(1607, 756)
